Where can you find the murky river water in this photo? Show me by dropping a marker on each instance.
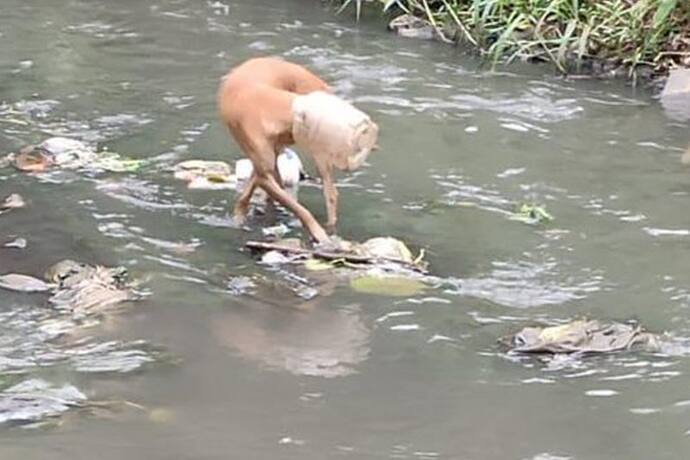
(209, 374)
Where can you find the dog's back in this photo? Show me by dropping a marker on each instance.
(276, 73)
(255, 100)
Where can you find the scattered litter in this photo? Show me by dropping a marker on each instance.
(5, 160)
(13, 201)
(531, 214)
(113, 162)
(274, 258)
(380, 266)
(84, 289)
(387, 248)
(290, 169)
(305, 292)
(18, 243)
(375, 251)
(35, 399)
(65, 153)
(205, 175)
(582, 336)
(23, 283)
(218, 175)
(240, 285)
(277, 231)
(77, 288)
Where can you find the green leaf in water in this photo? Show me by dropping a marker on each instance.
(394, 286)
(317, 265)
(117, 164)
(531, 214)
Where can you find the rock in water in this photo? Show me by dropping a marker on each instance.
(675, 97)
(409, 26)
(387, 247)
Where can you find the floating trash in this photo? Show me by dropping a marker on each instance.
(206, 175)
(23, 283)
(379, 266)
(77, 287)
(35, 399)
(582, 336)
(66, 153)
(239, 285)
(337, 252)
(277, 231)
(84, 289)
(531, 214)
(13, 201)
(219, 175)
(387, 248)
(290, 169)
(18, 243)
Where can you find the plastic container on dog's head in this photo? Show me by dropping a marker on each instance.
(332, 130)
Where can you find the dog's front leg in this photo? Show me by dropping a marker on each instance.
(243, 201)
(267, 181)
(330, 195)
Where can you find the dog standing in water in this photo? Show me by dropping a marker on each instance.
(268, 104)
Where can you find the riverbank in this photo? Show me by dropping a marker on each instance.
(609, 38)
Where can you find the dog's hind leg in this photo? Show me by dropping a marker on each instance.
(271, 204)
(243, 201)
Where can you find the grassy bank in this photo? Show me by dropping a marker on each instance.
(633, 37)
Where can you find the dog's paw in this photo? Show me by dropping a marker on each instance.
(238, 222)
(335, 244)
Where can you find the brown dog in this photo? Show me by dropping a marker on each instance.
(264, 104)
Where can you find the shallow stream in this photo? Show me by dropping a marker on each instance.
(203, 373)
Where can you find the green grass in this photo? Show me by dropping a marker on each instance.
(637, 34)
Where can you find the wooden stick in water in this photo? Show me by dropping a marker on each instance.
(327, 255)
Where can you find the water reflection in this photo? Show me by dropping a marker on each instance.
(319, 341)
